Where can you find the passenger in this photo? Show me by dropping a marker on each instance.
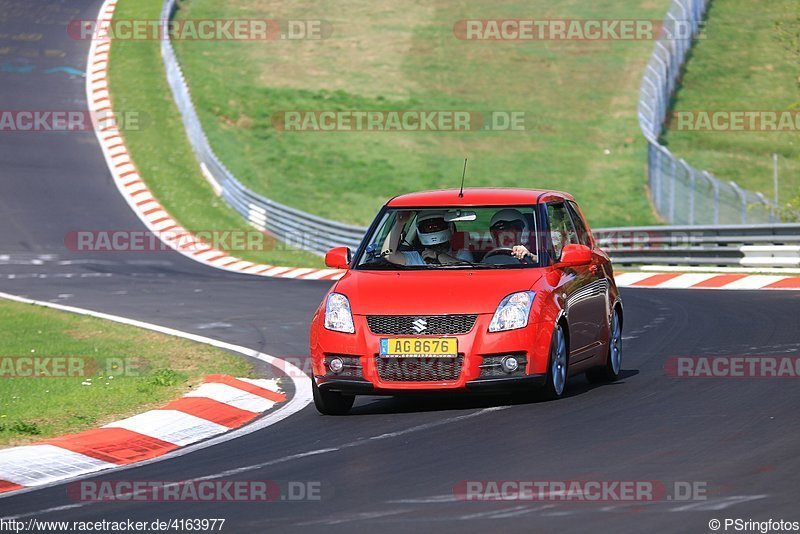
(434, 234)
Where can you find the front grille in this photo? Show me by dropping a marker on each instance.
(419, 369)
(411, 325)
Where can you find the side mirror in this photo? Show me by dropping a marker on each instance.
(574, 255)
(338, 258)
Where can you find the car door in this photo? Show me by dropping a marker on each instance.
(576, 284)
(597, 285)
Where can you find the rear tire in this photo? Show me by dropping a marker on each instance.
(331, 402)
(611, 370)
(558, 366)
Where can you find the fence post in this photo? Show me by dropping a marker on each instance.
(770, 208)
(659, 176)
(666, 64)
(663, 94)
(685, 43)
(690, 170)
(743, 198)
(672, 186)
(673, 47)
(715, 186)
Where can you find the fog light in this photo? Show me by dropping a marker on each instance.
(336, 365)
(510, 364)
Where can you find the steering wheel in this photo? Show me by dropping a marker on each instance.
(505, 251)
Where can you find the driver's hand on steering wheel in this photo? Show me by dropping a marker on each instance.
(520, 252)
(430, 256)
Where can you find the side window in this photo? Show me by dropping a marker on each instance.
(584, 238)
(562, 231)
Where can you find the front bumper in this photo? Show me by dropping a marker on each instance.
(484, 385)
(478, 348)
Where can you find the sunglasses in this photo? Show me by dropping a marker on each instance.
(500, 226)
(433, 225)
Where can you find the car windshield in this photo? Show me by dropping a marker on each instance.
(502, 237)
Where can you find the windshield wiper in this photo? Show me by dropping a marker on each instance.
(478, 266)
(380, 266)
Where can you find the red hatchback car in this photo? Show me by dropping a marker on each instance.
(486, 290)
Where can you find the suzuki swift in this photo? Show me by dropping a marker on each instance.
(477, 290)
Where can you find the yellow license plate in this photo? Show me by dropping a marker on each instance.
(445, 347)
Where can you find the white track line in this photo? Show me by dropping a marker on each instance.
(301, 398)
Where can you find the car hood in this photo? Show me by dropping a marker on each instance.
(432, 292)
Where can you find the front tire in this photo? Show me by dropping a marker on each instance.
(558, 366)
(331, 402)
(613, 366)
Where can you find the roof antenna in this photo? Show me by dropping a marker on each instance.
(463, 174)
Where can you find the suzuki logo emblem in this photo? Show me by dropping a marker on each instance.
(420, 325)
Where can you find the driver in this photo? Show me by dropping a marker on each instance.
(509, 226)
(434, 233)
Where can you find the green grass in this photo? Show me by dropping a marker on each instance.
(582, 134)
(748, 60)
(161, 150)
(155, 369)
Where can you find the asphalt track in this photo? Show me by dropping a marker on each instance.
(393, 463)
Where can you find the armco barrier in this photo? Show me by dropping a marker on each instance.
(748, 246)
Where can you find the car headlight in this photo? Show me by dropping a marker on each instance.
(513, 312)
(337, 314)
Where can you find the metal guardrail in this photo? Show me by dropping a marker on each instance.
(756, 245)
(681, 193)
(292, 226)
